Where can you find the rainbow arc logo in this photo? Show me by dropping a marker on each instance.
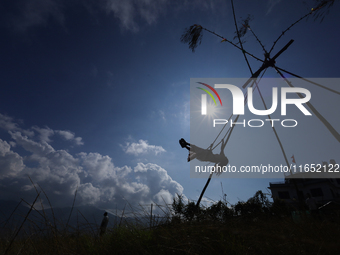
(204, 97)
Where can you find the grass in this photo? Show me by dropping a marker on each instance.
(237, 236)
(252, 233)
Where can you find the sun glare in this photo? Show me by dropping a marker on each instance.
(212, 111)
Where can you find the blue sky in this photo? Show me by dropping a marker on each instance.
(95, 95)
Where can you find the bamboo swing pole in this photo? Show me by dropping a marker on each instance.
(317, 114)
(270, 62)
(317, 84)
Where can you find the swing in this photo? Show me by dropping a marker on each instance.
(205, 155)
(193, 37)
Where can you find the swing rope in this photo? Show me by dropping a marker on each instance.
(228, 133)
(317, 114)
(317, 84)
(276, 135)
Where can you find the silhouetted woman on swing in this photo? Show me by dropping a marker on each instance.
(205, 154)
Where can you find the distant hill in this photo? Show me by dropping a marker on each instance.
(13, 213)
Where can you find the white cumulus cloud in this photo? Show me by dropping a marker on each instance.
(11, 163)
(44, 133)
(142, 147)
(95, 177)
(68, 135)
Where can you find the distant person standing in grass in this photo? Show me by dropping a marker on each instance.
(103, 226)
(312, 206)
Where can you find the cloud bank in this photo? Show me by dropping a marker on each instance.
(30, 152)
